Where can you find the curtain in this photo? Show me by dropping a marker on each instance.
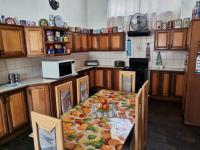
(119, 11)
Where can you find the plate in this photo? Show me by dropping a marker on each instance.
(58, 21)
(43, 22)
(10, 21)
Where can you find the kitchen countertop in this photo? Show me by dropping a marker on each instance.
(40, 80)
(168, 69)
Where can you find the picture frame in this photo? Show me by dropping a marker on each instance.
(158, 25)
(178, 24)
(164, 26)
(186, 22)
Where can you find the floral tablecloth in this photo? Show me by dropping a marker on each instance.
(83, 132)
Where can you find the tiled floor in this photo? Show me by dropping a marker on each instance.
(166, 131)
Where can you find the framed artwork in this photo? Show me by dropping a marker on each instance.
(65, 98)
(158, 25)
(178, 24)
(164, 26)
(84, 91)
(186, 23)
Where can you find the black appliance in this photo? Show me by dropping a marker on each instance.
(140, 66)
(119, 63)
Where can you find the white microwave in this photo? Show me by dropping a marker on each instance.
(58, 69)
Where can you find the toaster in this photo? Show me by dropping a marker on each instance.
(119, 63)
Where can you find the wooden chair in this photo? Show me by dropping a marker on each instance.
(127, 81)
(64, 98)
(47, 132)
(145, 91)
(137, 135)
(82, 89)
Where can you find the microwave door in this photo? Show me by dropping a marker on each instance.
(65, 69)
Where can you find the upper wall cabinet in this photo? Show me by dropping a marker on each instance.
(95, 42)
(84, 41)
(117, 41)
(12, 43)
(34, 42)
(76, 42)
(175, 39)
(104, 42)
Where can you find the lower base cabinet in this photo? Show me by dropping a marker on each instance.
(3, 118)
(39, 99)
(167, 85)
(13, 115)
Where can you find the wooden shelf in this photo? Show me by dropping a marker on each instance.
(56, 55)
(56, 42)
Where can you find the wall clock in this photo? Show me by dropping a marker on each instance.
(54, 5)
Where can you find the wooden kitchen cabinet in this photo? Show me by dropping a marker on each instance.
(117, 41)
(167, 85)
(84, 41)
(161, 40)
(89, 42)
(108, 77)
(12, 42)
(178, 39)
(34, 42)
(175, 39)
(154, 83)
(95, 42)
(104, 42)
(76, 42)
(39, 99)
(3, 119)
(99, 78)
(16, 107)
(179, 84)
(92, 79)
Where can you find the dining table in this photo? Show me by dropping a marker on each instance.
(103, 121)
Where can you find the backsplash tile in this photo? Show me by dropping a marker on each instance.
(171, 59)
(31, 67)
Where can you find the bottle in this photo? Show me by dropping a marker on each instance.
(148, 51)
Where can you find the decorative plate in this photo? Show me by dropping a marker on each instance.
(58, 21)
(10, 21)
(43, 22)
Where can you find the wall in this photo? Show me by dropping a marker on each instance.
(31, 67)
(97, 13)
(72, 11)
(170, 59)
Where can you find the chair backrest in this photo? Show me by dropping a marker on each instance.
(64, 98)
(82, 89)
(137, 136)
(47, 132)
(145, 91)
(127, 81)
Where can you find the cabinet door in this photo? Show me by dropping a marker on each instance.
(161, 40)
(3, 119)
(117, 41)
(104, 42)
(165, 84)
(34, 42)
(84, 39)
(89, 42)
(76, 42)
(108, 79)
(38, 98)
(70, 43)
(12, 41)
(99, 78)
(92, 79)
(16, 109)
(154, 83)
(178, 39)
(95, 42)
(179, 84)
(116, 79)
